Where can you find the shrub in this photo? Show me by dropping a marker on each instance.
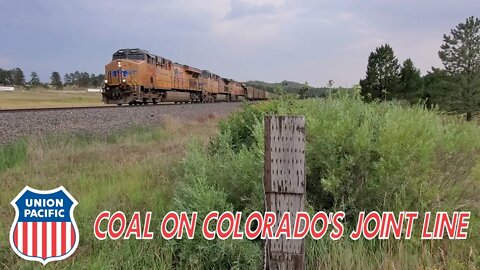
(359, 157)
(224, 181)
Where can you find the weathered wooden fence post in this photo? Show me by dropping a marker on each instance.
(284, 185)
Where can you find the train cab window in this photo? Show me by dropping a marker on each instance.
(136, 56)
(132, 54)
(119, 55)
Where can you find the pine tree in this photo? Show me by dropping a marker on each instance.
(411, 83)
(100, 79)
(34, 79)
(67, 79)
(56, 80)
(83, 79)
(460, 54)
(382, 78)
(434, 87)
(76, 78)
(6, 77)
(18, 77)
(93, 80)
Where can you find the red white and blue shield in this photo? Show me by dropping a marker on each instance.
(44, 229)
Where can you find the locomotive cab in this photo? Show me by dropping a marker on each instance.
(124, 64)
(122, 81)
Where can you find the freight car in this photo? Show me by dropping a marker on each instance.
(137, 77)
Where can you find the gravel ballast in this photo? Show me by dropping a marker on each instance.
(103, 121)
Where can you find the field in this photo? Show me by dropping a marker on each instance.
(41, 98)
(383, 157)
(133, 170)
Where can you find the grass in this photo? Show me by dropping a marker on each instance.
(41, 98)
(359, 157)
(13, 155)
(133, 170)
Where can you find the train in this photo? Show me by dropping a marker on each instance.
(138, 77)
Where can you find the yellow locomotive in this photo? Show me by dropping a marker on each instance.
(137, 77)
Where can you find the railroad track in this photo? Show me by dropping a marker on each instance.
(102, 120)
(87, 107)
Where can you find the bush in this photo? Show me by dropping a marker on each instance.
(359, 157)
(224, 181)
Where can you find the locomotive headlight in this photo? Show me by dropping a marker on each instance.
(119, 64)
(124, 80)
(106, 81)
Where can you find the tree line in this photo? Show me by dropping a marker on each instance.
(454, 88)
(16, 77)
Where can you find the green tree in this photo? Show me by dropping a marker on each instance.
(460, 55)
(383, 76)
(83, 79)
(434, 84)
(18, 77)
(93, 80)
(34, 79)
(67, 79)
(411, 83)
(56, 80)
(100, 79)
(76, 78)
(6, 77)
(304, 90)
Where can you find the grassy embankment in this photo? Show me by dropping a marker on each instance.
(41, 98)
(360, 156)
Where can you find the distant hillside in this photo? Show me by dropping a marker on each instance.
(288, 86)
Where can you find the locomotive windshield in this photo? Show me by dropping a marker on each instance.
(136, 56)
(132, 55)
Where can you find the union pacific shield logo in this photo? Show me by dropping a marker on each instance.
(44, 229)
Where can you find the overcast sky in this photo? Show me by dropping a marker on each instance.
(269, 40)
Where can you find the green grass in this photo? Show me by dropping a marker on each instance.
(13, 154)
(133, 170)
(360, 157)
(41, 98)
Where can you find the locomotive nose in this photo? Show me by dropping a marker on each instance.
(116, 73)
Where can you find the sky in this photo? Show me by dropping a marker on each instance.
(270, 40)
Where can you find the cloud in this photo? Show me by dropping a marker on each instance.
(304, 40)
(251, 30)
(260, 3)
